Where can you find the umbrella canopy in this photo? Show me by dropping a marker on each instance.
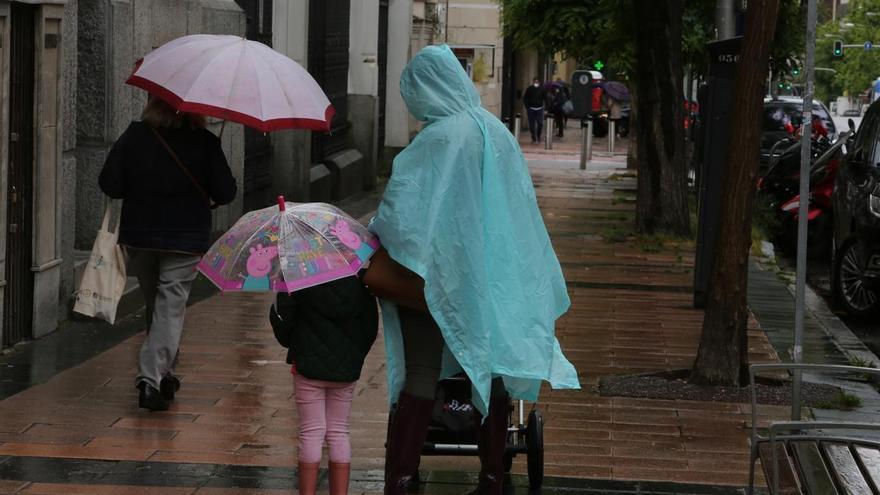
(235, 79)
(616, 90)
(288, 247)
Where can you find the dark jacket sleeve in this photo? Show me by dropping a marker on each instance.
(222, 187)
(111, 178)
(282, 317)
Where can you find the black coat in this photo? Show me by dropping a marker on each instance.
(534, 97)
(162, 209)
(328, 329)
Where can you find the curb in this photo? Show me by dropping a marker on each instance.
(841, 336)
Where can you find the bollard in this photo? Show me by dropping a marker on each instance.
(586, 142)
(548, 132)
(517, 126)
(612, 134)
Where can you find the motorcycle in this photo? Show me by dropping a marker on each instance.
(779, 192)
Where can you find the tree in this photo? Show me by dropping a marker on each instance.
(723, 354)
(662, 190)
(857, 68)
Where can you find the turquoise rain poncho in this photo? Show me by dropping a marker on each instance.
(460, 211)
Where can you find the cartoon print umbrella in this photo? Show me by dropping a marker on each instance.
(235, 79)
(288, 247)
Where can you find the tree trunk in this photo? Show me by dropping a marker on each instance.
(723, 354)
(662, 191)
(632, 151)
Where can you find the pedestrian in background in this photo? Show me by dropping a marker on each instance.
(533, 99)
(466, 266)
(168, 169)
(557, 108)
(328, 330)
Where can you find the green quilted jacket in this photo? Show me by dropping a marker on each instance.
(328, 329)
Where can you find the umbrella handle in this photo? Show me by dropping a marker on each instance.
(222, 126)
(281, 204)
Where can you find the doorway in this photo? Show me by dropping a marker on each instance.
(18, 297)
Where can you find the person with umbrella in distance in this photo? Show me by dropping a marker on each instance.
(169, 171)
(466, 276)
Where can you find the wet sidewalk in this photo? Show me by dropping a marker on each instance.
(233, 427)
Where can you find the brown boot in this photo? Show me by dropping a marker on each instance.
(406, 437)
(492, 443)
(307, 478)
(339, 474)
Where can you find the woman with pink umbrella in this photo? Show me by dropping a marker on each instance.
(170, 171)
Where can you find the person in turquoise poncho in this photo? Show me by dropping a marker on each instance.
(467, 278)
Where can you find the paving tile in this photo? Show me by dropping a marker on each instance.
(10, 486)
(56, 489)
(76, 451)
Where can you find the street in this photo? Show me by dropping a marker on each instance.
(509, 247)
(867, 329)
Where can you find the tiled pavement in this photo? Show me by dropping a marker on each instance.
(232, 429)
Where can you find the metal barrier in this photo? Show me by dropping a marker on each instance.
(586, 142)
(548, 132)
(612, 133)
(517, 126)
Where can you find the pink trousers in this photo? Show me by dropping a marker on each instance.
(324, 408)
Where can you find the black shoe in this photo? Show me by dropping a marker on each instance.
(169, 386)
(150, 398)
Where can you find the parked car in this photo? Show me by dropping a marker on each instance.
(783, 117)
(855, 262)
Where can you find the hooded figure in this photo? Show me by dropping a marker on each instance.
(460, 212)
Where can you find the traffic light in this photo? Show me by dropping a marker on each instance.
(795, 71)
(838, 48)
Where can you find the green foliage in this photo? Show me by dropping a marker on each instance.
(843, 401)
(857, 68)
(590, 30)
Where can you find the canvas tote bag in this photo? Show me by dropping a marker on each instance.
(103, 280)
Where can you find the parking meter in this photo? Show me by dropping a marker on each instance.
(716, 112)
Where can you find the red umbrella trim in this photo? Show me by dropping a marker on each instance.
(226, 114)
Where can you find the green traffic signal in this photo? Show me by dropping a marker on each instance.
(838, 48)
(795, 71)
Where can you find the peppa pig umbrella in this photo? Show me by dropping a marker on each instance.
(288, 247)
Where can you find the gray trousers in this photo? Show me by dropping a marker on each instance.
(165, 280)
(423, 355)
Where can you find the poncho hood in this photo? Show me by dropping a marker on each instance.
(434, 85)
(460, 211)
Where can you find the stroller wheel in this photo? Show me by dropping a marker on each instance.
(535, 448)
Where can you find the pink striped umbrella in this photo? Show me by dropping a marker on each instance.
(235, 79)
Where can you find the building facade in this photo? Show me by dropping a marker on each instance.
(63, 102)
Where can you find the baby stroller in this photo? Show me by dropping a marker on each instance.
(453, 429)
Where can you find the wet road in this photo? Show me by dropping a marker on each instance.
(818, 276)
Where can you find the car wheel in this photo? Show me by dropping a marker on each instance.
(849, 286)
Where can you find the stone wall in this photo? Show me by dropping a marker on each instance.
(69, 55)
(112, 36)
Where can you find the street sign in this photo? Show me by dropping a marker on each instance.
(868, 46)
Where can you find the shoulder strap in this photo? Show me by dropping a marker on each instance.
(183, 167)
